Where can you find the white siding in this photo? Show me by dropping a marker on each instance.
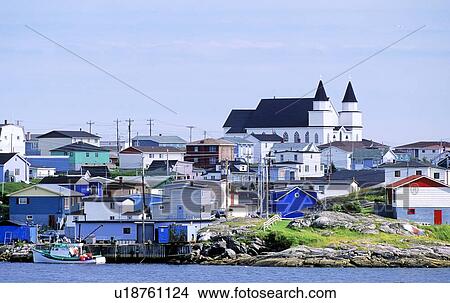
(12, 139)
(422, 197)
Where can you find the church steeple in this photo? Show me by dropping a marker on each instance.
(321, 95)
(349, 94)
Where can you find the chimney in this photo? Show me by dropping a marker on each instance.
(6, 122)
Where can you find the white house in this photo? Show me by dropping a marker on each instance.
(59, 138)
(402, 169)
(14, 168)
(42, 172)
(295, 161)
(135, 157)
(12, 138)
(115, 208)
(243, 149)
(263, 144)
(425, 150)
(308, 120)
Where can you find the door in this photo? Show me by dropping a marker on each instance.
(52, 221)
(437, 216)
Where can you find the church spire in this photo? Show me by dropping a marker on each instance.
(349, 94)
(321, 95)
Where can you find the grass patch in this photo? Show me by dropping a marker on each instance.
(440, 232)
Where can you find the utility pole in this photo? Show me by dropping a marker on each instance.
(204, 134)
(190, 132)
(129, 130)
(90, 123)
(150, 123)
(117, 121)
(143, 202)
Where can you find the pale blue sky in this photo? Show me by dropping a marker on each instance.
(203, 58)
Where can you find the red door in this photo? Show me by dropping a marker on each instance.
(437, 217)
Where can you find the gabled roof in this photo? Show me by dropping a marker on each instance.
(5, 157)
(67, 134)
(411, 163)
(161, 139)
(295, 188)
(237, 120)
(237, 140)
(296, 147)
(413, 179)
(211, 141)
(52, 188)
(350, 146)
(97, 170)
(349, 94)
(62, 180)
(368, 153)
(267, 137)
(320, 95)
(80, 147)
(425, 144)
(364, 177)
(151, 149)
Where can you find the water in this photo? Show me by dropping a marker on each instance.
(134, 273)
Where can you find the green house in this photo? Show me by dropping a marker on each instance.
(81, 153)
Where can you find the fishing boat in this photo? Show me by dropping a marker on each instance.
(70, 253)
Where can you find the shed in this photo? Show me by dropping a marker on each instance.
(16, 231)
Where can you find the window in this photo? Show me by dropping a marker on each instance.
(433, 151)
(150, 155)
(22, 201)
(281, 158)
(285, 137)
(195, 160)
(307, 137)
(17, 171)
(297, 137)
(112, 205)
(316, 138)
(437, 175)
(126, 230)
(213, 148)
(418, 173)
(161, 207)
(322, 188)
(196, 148)
(306, 168)
(397, 174)
(297, 195)
(315, 168)
(411, 211)
(295, 157)
(212, 160)
(18, 137)
(87, 155)
(160, 156)
(29, 218)
(96, 155)
(111, 217)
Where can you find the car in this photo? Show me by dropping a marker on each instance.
(219, 213)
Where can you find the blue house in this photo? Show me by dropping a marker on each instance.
(290, 203)
(79, 184)
(11, 231)
(164, 141)
(60, 163)
(43, 204)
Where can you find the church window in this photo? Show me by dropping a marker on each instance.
(340, 136)
(346, 137)
(307, 137)
(285, 137)
(297, 138)
(316, 138)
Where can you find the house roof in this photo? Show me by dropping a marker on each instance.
(298, 147)
(161, 139)
(349, 95)
(151, 181)
(410, 163)
(350, 146)
(53, 188)
(211, 141)
(320, 95)
(364, 177)
(107, 199)
(151, 149)
(293, 189)
(5, 157)
(413, 179)
(61, 180)
(80, 147)
(97, 170)
(67, 134)
(425, 144)
(12, 223)
(368, 153)
(237, 140)
(268, 137)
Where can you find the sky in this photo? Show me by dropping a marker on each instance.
(204, 58)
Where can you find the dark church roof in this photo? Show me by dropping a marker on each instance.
(321, 95)
(349, 94)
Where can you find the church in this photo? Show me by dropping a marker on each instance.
(308, 120)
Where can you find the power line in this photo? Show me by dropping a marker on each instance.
(117, 121)
(90, 123)
(100, 69)
(190, 132)
(150, 123)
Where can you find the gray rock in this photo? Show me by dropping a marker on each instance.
(229, 253)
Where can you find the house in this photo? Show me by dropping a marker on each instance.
(135, 157)
(295, 161)
(43, 204)
(96, 170)
(340, 153)
(184, 201)
(290, 203)
(42, 172)
(420, 199)
(114, 208)
(263, 144)
(61, 164)
(12, 231)
(243, 149)
(108, 230)
(59, 138)
(81, 154)
(208, 152)
(14, 168)
(308, 120)
(12, 138)
(161, 141)
(32, 144)
(324, 187)
(372, 157)
(401, 169)
(425, 150)
(81, 184)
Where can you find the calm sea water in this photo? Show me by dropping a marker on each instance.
(134, 273)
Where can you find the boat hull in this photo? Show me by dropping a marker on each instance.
(39, 257)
